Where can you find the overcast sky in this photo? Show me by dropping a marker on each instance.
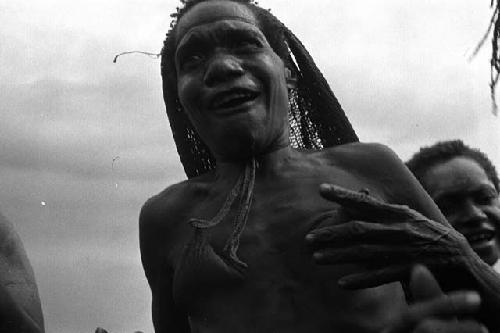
(84, 142)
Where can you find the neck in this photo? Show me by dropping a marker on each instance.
(267, 163)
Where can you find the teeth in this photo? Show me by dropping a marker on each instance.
(233, 97)
(480, 237)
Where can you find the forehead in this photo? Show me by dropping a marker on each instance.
(456, 175)
(213, 11)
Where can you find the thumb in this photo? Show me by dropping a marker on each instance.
(423, 285)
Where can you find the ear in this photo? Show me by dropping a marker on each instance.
(291, 80)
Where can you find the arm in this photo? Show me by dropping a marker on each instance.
(20, 309)
(470, 272)
(409, 230)
(154, 255)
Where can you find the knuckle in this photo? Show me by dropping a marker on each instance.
(428, 326)
(324, 234)
(357, 227)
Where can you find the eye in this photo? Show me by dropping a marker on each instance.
(191, 60)
(247, 44)
(485, 197)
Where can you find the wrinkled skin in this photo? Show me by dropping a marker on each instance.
(20, 309)
(217, 55)
(386, 239)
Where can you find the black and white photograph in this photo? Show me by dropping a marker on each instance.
(249, 166)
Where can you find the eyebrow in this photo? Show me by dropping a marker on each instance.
(194, 37)
(441, 195)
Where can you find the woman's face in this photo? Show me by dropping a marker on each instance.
(230, 81)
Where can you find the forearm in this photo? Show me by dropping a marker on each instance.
(488, 285)
(471, 273)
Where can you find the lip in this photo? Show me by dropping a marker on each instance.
(232, 100)
(480, 237)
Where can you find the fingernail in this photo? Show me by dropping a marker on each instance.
(325, 187)
(472, 298)
(317, 255)
(310, 237)
(365, 191)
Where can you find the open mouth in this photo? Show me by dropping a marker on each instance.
(232, 98)
(480, 237)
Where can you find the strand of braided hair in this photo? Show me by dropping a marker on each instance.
(494, 25)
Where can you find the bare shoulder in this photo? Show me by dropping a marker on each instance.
(380, 167)
(366, 160)
(353, 154)
(163, 220)
(156, 210)
(169, 207)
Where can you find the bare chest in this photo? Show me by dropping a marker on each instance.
(272, 241)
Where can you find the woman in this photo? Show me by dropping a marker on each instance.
(226, 250)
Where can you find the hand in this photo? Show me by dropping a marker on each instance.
(100, 330)
(434, 311)
(385, 239)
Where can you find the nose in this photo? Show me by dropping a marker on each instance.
(222, 67)
(472, 213)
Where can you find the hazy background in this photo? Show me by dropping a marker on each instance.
(400, 69)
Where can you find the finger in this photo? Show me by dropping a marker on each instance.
(358, 231)
(364, 204)
(433, 325)
(385, 274)
(450, 326)
(371, 254)
(457, 303)
(374, 278)
(422, 315)
(423, 285)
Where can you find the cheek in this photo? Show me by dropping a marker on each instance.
(493, 212)
(269, 69)
(183, 92)
(187, 90)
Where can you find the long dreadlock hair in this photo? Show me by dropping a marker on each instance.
(495, 52)
(316, 117)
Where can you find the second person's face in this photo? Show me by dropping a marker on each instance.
(468, 199)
